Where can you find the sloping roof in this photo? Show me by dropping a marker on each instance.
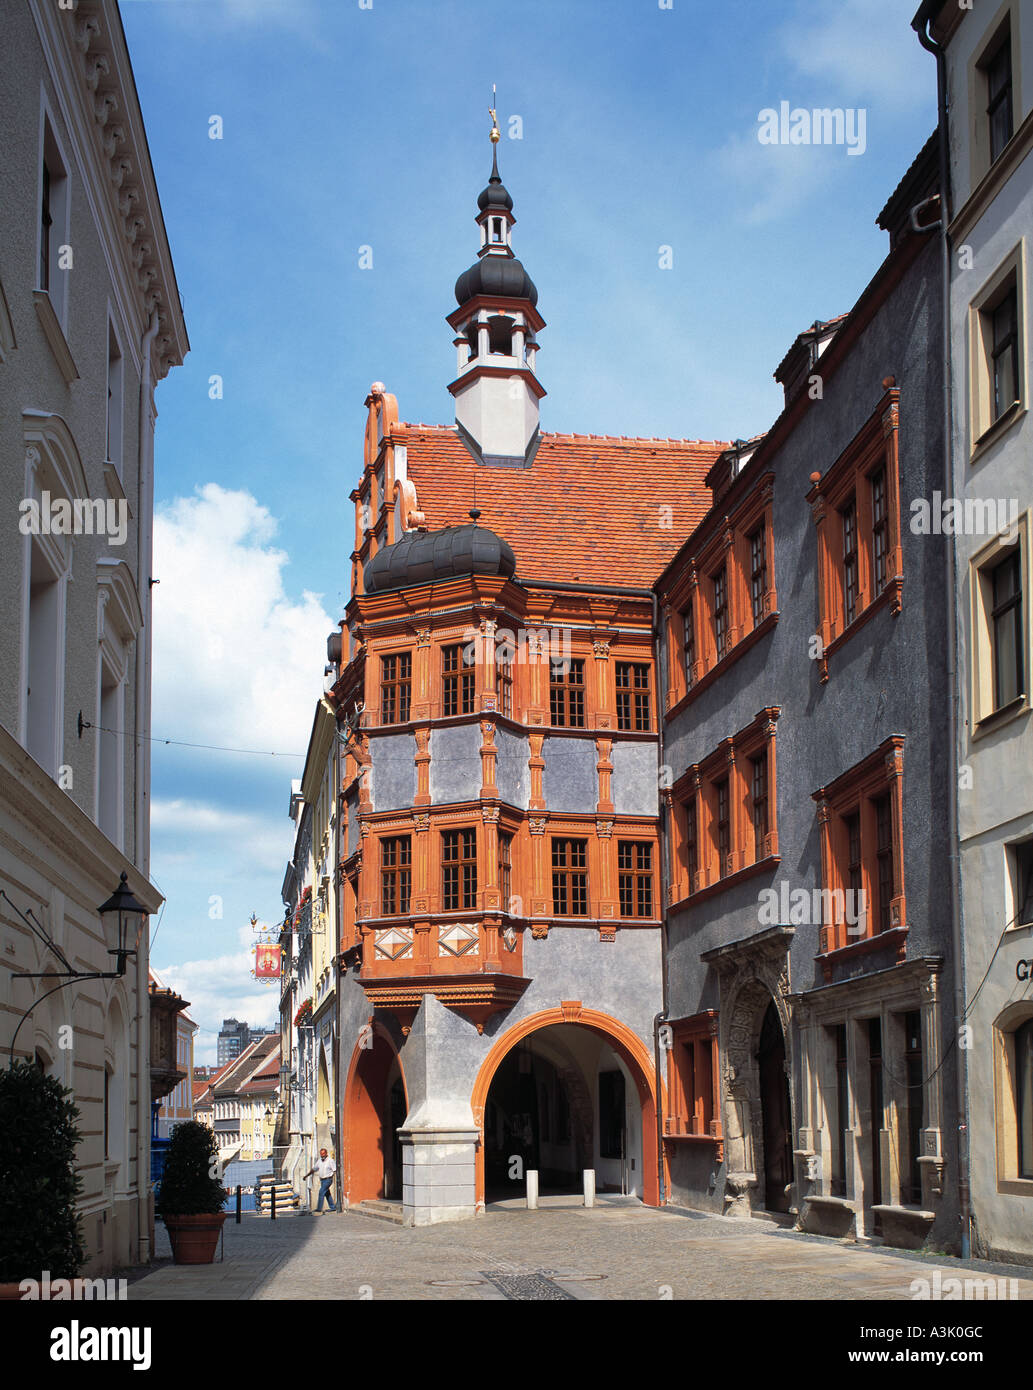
(587, 510)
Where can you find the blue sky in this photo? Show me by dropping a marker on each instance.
(346, 127)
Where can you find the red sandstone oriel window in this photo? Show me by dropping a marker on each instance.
(395, 687)
(635, 878)
(506, 870)
(504, 681)
(567, 694)
(570, 878)
(633, 710)
(458, 679)
(395, 875)
(459, 870)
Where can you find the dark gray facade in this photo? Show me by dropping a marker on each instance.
(843, 1015)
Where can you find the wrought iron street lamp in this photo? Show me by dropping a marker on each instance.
(123, 905)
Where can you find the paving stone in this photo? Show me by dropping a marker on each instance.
(558, 1253)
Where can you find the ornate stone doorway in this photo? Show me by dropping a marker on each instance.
(775, 1112)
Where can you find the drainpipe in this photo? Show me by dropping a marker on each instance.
(665, 878)
(141, 836)
(919, 24)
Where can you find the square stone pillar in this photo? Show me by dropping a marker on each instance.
(438, 1175)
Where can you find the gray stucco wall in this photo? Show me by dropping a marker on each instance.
(570, 781)
(634, 781)
(512, 774)
(455, 763)
(393, 777)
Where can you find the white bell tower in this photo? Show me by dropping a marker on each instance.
(496, 389)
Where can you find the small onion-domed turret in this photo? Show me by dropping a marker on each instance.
(421, 557)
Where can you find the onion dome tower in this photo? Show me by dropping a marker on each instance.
(496, 390)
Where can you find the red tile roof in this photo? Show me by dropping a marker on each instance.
(588, 509)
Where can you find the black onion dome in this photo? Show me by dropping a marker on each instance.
(424, 556)
(498, 276)
(495, 195)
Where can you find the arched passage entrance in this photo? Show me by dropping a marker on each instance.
(566, 1089)
(376, 1102)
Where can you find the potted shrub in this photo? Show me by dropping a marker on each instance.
(190, 1200)
(39, 1184)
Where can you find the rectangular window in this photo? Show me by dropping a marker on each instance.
(570, 878)
(633, 709)
(880, 529)
(113, 446)
(884, 858)
(1004, 354)
(395, 875)
(720, 583)
(46, 222)
(504, 681)
(911, 1177)
(1006, 630)
(459, 870)
(458, 679)
(635, 878)
(758, 575)
(722, 827)
(395, 687)
(506, 870)
(1024, 1097)
(999, 98)
(689, 645)
(759, 788)
(876, 1111)
(691, 842)
(849, 515)
(567, 693)
(842, 1115)
(852, 825)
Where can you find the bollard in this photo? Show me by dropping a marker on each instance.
(589, 1187)
(532, 1189)
(238, 1203)
(272, 1205)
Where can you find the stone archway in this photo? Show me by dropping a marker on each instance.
(626, 1044)
(368, 1137)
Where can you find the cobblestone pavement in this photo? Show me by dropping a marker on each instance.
(619, 1250)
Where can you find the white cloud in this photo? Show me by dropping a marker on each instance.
(777, 180)
(237, 661)
(218, 989)
(199, 831)
(859, 50)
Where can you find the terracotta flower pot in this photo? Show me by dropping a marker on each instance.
(194, 1238)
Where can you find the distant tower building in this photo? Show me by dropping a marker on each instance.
(234, 1037)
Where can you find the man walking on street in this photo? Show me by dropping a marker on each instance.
(324, 1170)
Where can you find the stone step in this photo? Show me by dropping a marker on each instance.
(380, 1210)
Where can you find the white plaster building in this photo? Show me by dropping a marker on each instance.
(987, 53)
(90, 321)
